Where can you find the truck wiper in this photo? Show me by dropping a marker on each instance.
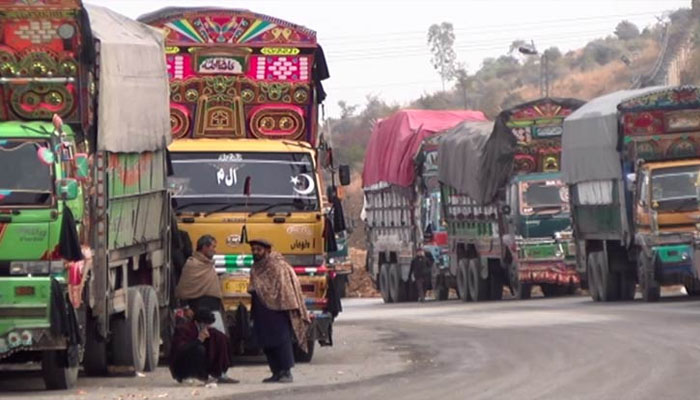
(229, 205)
(196, 203)
(271, 206)
(539, 209)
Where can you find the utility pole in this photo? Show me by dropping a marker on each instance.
(544, 67)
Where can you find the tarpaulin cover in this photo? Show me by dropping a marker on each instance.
(590, 139)
(133, 103)
(476, 158)
(396, 139)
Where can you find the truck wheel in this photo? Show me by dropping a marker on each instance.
(478, 287)
(440, 289)
(95, 355)
(300, 356)
(520, 290)
(59, 368)
(150, 303)
(341, 283)
(384, 282)
(462, 281)
(129, 334)
(608, 284)
(592, 273)
(628, 286)
(397, 287)
(651, 291)
(495, 286)
(551, 290)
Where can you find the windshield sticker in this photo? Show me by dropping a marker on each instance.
(228, 177)
(301, 187)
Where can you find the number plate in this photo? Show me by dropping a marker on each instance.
(236, 287)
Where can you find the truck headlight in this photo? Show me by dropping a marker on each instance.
(685, 256)
(35, 267)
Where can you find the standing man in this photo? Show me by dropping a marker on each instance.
(199, 285)
(420, 268)
(279, 313)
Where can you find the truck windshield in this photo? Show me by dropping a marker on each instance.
(542, 197)
(676, 188)
(26, 178)
(278, 182)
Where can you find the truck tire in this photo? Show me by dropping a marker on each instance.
(397, 287)
(95, 355)
(341, 283)
(628, 286)
(651, 291)
(300, 356)
(384, 282)
(592, 273)
(608, 284)
(495, 286)
(462, 281)
(150, 303)
(520, 290)
(440, 289)
(129, 334)
(478, 287)
(59, 368)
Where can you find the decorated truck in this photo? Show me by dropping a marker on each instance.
(631, 160)
(395, 201)
(247, 155)
(538, 235)
(84, 207)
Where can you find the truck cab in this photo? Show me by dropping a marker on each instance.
(539, 223)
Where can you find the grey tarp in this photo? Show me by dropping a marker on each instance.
(590, 139)
(133, 104)
(476, 159)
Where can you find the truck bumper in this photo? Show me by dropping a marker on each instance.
(676, 263)
(550, 272)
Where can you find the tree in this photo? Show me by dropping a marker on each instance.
(346, 110)
(626, 30)
(462, 85)
(515, 46)
(441, 39)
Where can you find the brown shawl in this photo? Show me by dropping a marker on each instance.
(277, 286)
(198, 279)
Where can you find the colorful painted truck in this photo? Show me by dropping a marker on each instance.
(245, 90)
(84, 207)
(632, 162)
(504, 203)
(538, 233)
(395, 199)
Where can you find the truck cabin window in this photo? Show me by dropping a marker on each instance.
(675, 189)
(543, 197)
(30, 182)
(278, 182)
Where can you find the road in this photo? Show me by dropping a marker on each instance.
(565, 348)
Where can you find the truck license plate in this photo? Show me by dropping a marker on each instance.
(237, 287)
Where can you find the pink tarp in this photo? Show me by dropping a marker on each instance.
(396, 139)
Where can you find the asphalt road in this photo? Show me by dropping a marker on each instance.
(565, 348)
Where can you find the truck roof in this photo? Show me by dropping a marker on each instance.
(239, 145)
(31, 129)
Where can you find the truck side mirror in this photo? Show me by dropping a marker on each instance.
(67, 189)
(82, 166)
(344, 174)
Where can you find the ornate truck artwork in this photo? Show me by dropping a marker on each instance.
(238, 74)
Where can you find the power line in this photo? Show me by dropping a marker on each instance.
(485, 29)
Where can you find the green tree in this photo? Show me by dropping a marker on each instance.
(441, 39)
(626, 30)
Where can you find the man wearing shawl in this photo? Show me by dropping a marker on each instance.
(279, 313)
(199, 285)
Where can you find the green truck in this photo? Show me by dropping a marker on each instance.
(84, 208)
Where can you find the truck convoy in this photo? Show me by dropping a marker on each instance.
(395, 201)
(84, 215)
(630, 159)
(247, 155)
(505, 206)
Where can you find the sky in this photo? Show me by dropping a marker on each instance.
(379, 47)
